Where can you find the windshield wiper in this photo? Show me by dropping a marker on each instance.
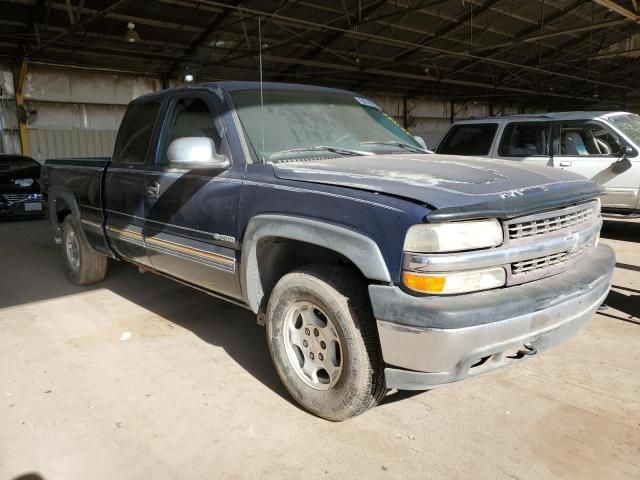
(395, 143)
(318, 148)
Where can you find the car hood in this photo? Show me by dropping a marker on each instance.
(446, 181)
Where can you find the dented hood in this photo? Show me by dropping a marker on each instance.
(445, 181)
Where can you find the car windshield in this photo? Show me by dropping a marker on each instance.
(629, 124)
(304, 124)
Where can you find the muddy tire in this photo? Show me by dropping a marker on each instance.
(83, 265)
(324, 343)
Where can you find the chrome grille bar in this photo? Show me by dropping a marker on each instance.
(550, 221)
(527, 266)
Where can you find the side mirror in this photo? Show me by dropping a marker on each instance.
(623, 163)
(195, 153)
(421, 141)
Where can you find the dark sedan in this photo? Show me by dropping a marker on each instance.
(19, 187)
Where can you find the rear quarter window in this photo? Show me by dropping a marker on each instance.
(470, 139)
(136, 131)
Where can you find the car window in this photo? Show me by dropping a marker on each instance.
(190, 117)
(134, 135)
(587, 139)
(525, 140)
(469, 139)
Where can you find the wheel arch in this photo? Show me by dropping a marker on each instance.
(61, 203)
(267, 238)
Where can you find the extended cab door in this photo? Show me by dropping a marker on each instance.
(125, 179)
(590, 148)
(192, 215)
(528, 142)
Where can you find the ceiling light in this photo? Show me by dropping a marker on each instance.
(222, 44)
(188, 77)
(131, 35)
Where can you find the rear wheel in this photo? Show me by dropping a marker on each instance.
(323, 341)
(83, 264)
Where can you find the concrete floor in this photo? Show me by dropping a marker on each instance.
(139, 377)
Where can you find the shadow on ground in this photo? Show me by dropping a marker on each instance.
(625, 300)
(37, 274)
(621, 230)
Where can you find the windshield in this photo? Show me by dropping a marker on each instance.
(629, 124)
(303, 124)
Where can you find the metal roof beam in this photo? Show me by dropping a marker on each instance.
(457, 22)
(76, 26)
(497, 48)
(619, 9)
(204, 35)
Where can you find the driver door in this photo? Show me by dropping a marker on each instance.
(191, 215)
(590, 149)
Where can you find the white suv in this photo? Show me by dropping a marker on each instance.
(602, 146)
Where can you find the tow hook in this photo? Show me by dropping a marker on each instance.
(528, 350)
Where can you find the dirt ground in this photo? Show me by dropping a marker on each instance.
(141, 378)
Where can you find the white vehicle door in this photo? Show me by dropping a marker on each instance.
(528, 142)
(591, 148)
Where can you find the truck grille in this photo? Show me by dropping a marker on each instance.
(551, 223)
(529, 266)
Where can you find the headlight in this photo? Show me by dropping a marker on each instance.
(455, 282)
(453, 237)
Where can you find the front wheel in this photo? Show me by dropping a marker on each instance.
(323, 342)
(83, 264)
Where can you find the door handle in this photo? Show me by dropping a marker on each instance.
(153, 190)
(566, 163)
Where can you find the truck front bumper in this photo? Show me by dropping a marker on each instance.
(434, 340)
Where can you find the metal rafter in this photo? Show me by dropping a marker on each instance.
(203, 36)
(619, 9)
(455, 23)
(76, 26)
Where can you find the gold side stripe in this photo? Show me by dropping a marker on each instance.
(91, 224)
(125, 232)
(175, 246)
(191, 250)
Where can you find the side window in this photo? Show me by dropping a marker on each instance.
(469, 139)
(525, 140)
(135, 133)
(191, 117)
(587, 139)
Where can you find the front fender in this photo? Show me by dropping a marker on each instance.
(358, 248)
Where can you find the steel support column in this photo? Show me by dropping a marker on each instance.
(18, 81)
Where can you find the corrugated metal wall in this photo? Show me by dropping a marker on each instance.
(75, 114)
(51, 143)
(78, 113)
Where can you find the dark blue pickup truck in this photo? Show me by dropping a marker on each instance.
(373, 263)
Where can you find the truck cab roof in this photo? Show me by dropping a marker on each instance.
(232, 86)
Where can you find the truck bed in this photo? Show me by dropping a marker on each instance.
(81, 177)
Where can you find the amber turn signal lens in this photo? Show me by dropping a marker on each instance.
(425, 284)
(447, 283)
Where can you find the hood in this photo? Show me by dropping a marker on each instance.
(446, 181)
